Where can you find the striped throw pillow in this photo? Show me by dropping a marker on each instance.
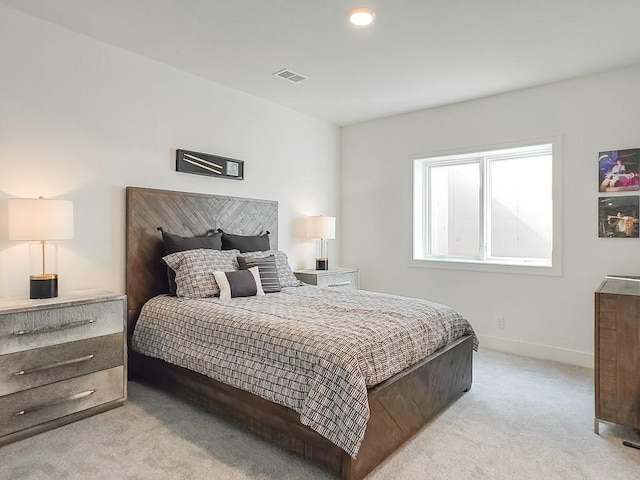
(268, 271)
(285, 274)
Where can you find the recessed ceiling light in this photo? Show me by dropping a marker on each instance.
(361, 16)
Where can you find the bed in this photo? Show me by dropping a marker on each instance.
(398, 406)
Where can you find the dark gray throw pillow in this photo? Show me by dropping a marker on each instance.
(245, 243)
(176, 243)
(241, 283)
(268, 271)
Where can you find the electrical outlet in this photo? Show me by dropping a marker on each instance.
(500, 322)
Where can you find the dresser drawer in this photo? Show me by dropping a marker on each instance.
(338, 280)
(41, 366)
(31, 329)
(36, 406)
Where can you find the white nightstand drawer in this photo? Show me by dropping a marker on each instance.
(339, 280)
(42, 366)
(35, 328)
(36, 406)
(345, 278)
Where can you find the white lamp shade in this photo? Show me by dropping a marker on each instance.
(321, 227)
(40, 219)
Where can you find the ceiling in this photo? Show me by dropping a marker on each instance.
(417, 54)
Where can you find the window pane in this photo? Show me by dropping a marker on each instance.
(521, 215)
(455, 210)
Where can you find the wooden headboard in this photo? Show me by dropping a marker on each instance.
(184, 214)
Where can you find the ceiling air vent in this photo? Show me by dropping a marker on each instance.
(290, 76)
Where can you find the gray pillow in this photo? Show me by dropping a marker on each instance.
(245, 243)
(194, 270)
(175, 243)
(243, 283)
(268, 271)
(285, 274)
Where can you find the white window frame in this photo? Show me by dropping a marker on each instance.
(482, 263)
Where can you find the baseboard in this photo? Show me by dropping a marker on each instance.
(544, 352)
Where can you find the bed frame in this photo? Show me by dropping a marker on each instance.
(400, 406)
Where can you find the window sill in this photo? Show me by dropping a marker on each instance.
(487, 267)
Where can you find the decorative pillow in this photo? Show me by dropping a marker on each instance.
(245, 243)
(243, 283)
(194, 269)
(175, 243)
(285, 274)
(268, 271)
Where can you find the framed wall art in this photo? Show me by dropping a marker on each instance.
(618, 216)
(198, 163)
(618, 170)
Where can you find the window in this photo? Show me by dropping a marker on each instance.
(494, 207)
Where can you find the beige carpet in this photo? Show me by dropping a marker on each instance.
(522, 419)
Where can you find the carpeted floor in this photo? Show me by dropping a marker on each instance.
(522, 419)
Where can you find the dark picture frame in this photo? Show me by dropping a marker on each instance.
(198, 163)
(618, 217)
(619, 170)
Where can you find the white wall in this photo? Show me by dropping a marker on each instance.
(80, 120)
(550, 317)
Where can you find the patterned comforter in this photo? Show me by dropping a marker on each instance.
(311, 349)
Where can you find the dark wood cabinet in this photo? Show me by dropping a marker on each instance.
(617, 352)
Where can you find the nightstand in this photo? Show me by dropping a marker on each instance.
(334, 277)
(61, 359)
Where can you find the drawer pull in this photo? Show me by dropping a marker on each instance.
(55, 365)
(75, 396)
(340, 284)
(55, 328)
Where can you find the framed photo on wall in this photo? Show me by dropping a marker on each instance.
(618, 170)
(618, 217)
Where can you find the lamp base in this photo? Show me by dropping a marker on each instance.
(322, 264)
(43, 286)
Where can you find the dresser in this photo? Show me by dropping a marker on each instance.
(617, 352)
(332, 278)
(61, 359)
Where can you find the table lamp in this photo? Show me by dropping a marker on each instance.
(42, 220)
(323, 228)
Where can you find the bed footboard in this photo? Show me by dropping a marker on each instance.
(405, 403)
(400, 406)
